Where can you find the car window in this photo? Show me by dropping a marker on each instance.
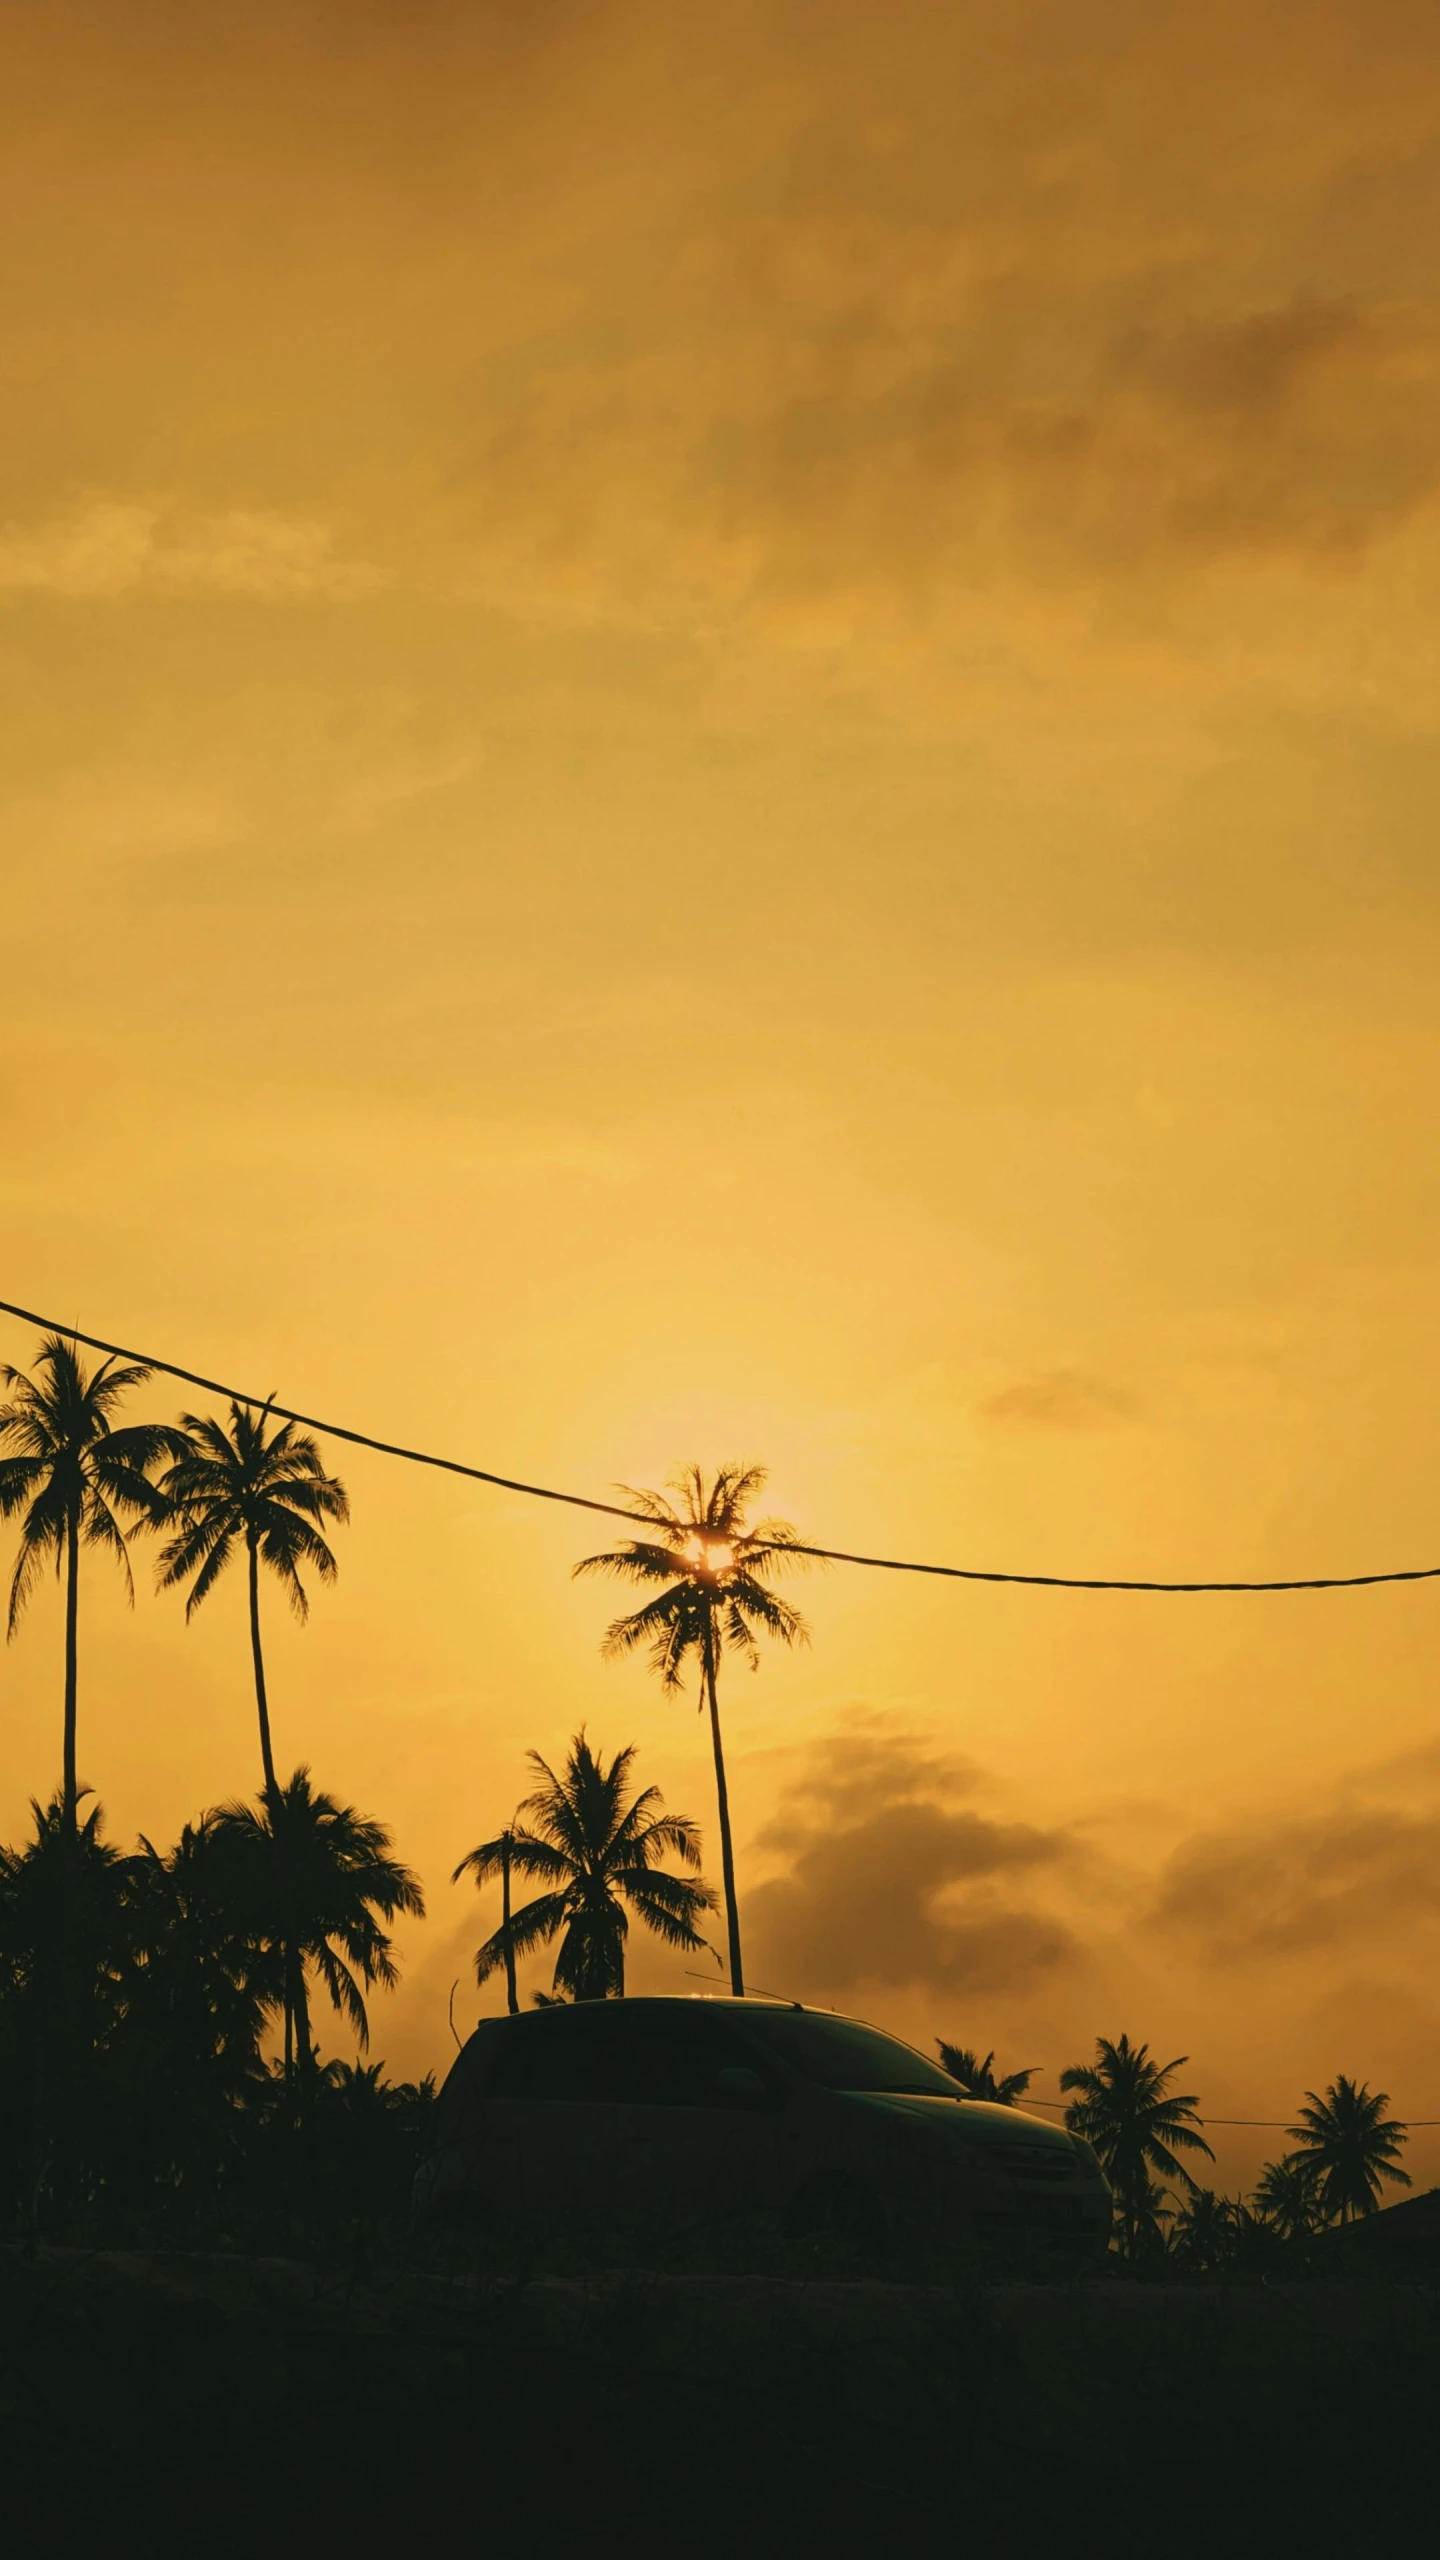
(676, 2055)
(839, 2053)
(615, 2055)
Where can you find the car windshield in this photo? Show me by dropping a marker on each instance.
(841, 2054)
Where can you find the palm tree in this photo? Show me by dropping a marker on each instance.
(1206, 2230)
(1349, 2145)
(1126, 2108)
(1285, 2196)
(596, 1853)
(187, 2066)
(64, 1935)
(713, 1598)
(239, 1487)
(77, 1480)
(314, 1880)
(497, 1858)
(979, 2080)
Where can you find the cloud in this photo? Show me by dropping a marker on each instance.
(1355, 1873)
(874, 423)
(114, 547)
(1061, 1400)
(887, 1884)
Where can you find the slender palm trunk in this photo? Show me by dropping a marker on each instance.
(512, 1999)
(304, 2049)
(262, 1703)
(58, 2085)
(70, 1783)
(722, 1797)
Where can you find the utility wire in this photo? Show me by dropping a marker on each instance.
(1261, 2124)
(618, 1511)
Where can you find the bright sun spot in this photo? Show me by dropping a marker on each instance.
(713, 1553)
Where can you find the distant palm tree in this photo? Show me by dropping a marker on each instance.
(1205, 2231)
(497, 1858)
(241, 1487)
(979, 2080)
(1125, 2107)
(596, 1853)
(1285, 2196)
(713, 1597)
(1349, 2145)
(64, 1937)
(314, 1880)
(76, 1479)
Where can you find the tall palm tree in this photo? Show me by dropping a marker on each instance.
(77, 1481)
(1349, 2144)
(980, 2080)
(596, 1852)
(1126, 2108)
(497, 1858)
(242, 1486)
(709, 1564)
(314, 1880)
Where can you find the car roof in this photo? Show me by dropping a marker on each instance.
(687, 2002)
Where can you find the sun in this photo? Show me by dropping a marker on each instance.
(712, 1555)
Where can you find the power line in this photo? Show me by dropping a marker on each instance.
(618, 1511)
(1259, 2124)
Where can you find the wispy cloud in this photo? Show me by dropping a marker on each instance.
(1338, 1880)
(1060, 1400)
(891, 1881)
(112, 547)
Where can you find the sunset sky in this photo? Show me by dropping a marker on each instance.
(720, 739)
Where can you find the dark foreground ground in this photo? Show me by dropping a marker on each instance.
(195, 2404)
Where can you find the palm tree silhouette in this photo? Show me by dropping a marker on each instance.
(238, 1487)
(497, 1858)
(76, 1479)
(596, 1853)
(1285, 2196)
(1349, 2145)
(979, 2080)
(1206, 2231)
(710, 1565)
(314, 1880)
(64, 1931)
(1125, 2107)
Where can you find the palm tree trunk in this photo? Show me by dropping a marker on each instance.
(722, 1798)
(512, 2000)
(304, 2049)
(262, 1703)
(70, 1784)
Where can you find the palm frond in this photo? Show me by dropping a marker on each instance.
(530, 1927)
(42, 1534)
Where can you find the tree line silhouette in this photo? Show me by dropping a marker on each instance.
(140, 1991)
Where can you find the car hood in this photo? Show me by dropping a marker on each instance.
(972, 2121)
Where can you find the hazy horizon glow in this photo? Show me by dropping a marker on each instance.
(721, 742)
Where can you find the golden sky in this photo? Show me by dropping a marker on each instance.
(720, 740)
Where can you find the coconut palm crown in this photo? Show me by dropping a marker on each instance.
(77, 1481)
(708, 1565)
(980, 2079)
(1126, 2108)
(313, 1881)
(1285, 2196)
(597, 1853)
(264, 1491)
(1348, 2144)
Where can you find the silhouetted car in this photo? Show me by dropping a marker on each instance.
(692, 2110)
